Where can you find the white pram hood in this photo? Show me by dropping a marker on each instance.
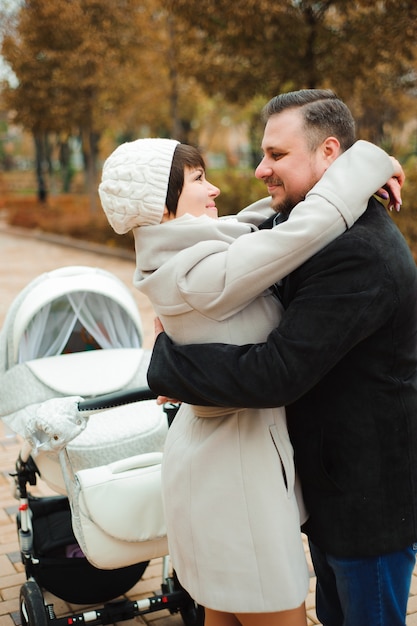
(75, 294)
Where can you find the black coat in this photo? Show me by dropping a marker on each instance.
(344, 362)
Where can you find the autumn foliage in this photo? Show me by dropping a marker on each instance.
(99, 72)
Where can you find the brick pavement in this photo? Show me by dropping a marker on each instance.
(24, 258)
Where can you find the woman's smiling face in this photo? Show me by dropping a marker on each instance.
(198, 195)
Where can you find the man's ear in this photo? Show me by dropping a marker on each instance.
(330, 149)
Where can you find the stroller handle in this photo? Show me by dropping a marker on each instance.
(118, 398)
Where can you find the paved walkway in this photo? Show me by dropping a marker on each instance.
(23, 258)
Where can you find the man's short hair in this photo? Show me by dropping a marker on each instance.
(325, 115)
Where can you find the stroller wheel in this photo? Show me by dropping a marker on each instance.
(32, 606)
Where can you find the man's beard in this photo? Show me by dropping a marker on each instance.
(286, 206)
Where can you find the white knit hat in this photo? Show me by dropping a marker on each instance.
(134, 183)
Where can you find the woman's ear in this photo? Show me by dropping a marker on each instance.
(166, 216)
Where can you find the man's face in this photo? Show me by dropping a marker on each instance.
(289, 167)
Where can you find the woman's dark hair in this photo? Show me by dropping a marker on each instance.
(184, 156)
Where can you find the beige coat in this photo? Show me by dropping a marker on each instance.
(229, 482)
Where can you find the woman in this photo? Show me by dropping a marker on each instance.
(229, 484)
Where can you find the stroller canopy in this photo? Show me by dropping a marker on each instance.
(72, 331)
(71, 309)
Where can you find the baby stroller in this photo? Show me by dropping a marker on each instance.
(69, 348)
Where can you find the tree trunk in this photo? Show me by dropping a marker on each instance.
(40, 160)
(65, 164)
(90, 141)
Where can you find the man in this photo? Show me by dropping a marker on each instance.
(344, 362)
